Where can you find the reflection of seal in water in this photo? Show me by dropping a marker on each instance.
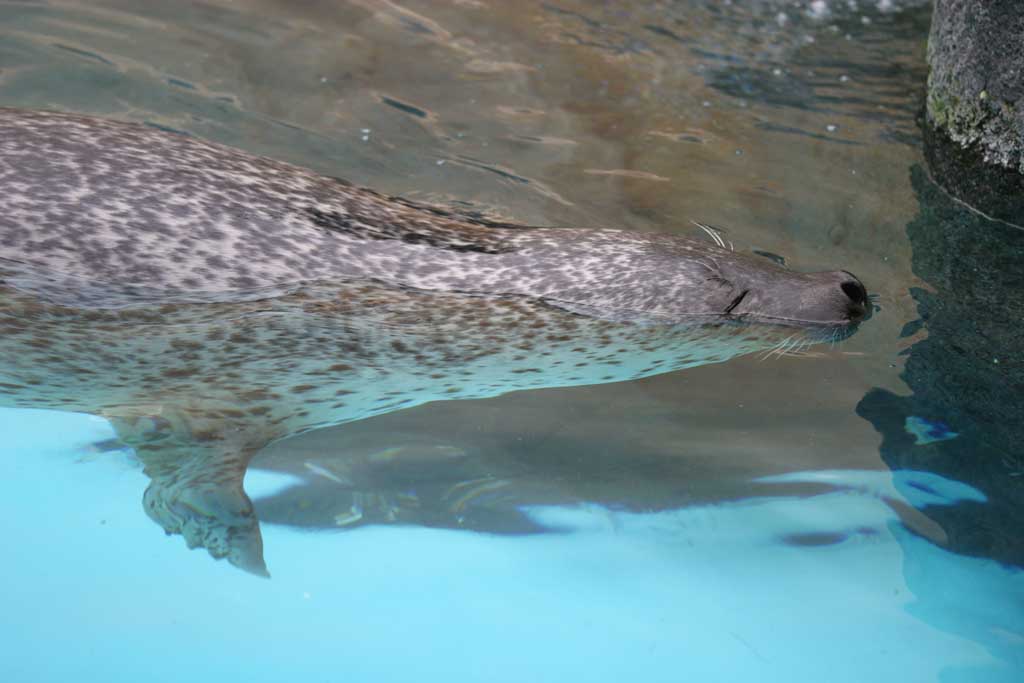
(208, 302)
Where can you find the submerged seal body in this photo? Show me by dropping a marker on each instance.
(209, 302)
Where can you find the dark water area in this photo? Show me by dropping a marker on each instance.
(967, 372)
(850, 512)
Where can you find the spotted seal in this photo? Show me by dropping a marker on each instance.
(208, 302)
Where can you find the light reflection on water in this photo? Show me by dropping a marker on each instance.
(795, 134)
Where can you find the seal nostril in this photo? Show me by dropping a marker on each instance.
(855, 291)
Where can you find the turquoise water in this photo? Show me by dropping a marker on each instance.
(709, 592)
(850, 514)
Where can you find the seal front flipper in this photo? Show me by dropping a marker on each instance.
(196, 488)
(211, 514)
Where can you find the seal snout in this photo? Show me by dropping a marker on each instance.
(856, 296)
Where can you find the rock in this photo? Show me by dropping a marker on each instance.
(976, 80)
(993, 191)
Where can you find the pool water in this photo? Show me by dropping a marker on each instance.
(847, 514)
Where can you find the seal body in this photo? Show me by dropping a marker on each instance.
(209, 302)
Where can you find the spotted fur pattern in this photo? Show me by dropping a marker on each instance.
(209, 302)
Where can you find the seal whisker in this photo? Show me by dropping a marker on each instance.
(712, 268)
(764, 356)
(777, 349)
(792, 347)
(834, 340)
(788, 349)
(713, 233)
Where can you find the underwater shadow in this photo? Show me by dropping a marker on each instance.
(964, 417)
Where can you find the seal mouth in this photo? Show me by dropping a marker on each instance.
(834, 333)
(815, 331)
(758, 318)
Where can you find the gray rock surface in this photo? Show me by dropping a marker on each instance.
(976, 55)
